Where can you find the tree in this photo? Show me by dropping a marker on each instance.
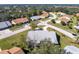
(53, 21)
(33, 25)
(70, 25)
(46, 47)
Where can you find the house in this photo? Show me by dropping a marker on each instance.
(14, 50)
(4, 52)
(35, 18)
(44, 14)
(40, 35)
(38, 17)
(65, 19)
(4, 25)
(71, 50)
(77, 14)
(19, 20)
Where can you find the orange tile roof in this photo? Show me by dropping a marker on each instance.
(44, 14)
(77, 14)
(20, 20)
(65, 18)
(4, 52)
(15, 50)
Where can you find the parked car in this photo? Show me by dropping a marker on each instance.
(39, 29)
(74, 34)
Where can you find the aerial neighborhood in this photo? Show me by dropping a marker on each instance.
(39, 29)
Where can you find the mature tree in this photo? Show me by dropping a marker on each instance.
(33, 25)
(46, 47)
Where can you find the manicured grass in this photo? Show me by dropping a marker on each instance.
(41, 26)
(50, 29)
(64, 40)
(16, 27)
(15, 40)
(44, 19)
(63, 27)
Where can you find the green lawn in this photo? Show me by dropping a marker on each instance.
(63, 27)
(15, 40)
(41, 26)
(64, 40)
(16, 27)
(44, 19)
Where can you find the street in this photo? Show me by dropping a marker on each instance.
(7, 33)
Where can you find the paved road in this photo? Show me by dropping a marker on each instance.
(57, 29)
(7, 33)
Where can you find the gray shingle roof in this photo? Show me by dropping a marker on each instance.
(35, 17)
(71, 49)
(4, 24)
(42, 35)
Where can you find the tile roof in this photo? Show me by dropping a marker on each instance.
(20, 20)
(77, 14)
(45, 14)
(15, 50)
(4, 52)
(65, 18)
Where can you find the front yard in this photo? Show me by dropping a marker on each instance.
(15, 40)
(16, 27)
